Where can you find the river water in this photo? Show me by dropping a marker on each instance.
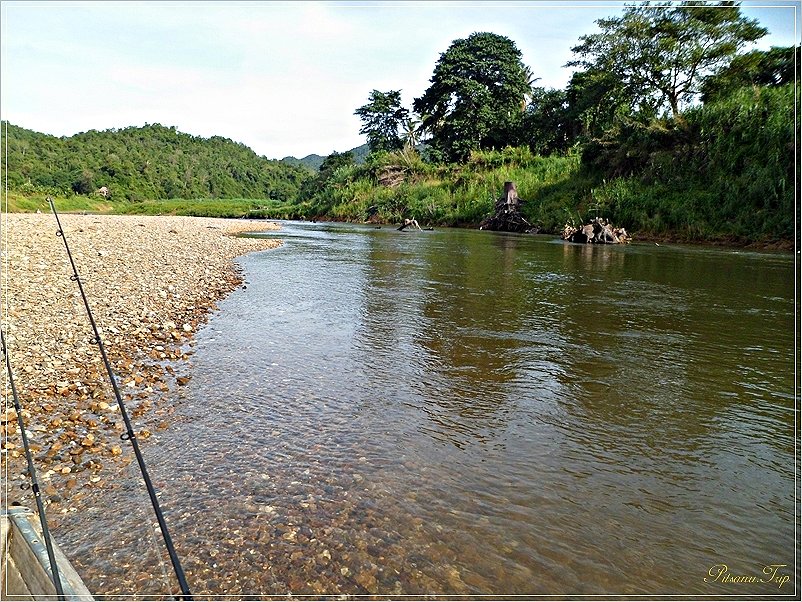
(464, 412)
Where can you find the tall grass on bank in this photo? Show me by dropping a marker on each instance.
(226, 208)
(16, 202)
(450, 195)
(232, 208)
(726, 172)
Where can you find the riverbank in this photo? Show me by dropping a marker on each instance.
(553, 204)
(229, 208)
(768, 246)
(151, 282)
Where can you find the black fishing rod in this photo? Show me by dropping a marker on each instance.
(129, 434)
(37, 494)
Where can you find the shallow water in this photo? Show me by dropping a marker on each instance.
(462, 412)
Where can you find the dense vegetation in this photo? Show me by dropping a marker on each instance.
(725, 171)
(392, 186)
(145, 163)
(628, 138)
(667, 128)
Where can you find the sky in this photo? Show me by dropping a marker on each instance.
(284, 78)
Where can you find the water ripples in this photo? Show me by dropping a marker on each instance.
(464, 413)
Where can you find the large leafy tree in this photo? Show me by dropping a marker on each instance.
(474, 101)
(547, 124)
(326, 172)
(335, 161)
(775, 67)
(662, 53)
(597, 101)
(381, 118)
(593, 103)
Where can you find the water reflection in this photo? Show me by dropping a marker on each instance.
(468, 413)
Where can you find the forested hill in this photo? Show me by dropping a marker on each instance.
(310, 162)
(313, 162)
(150, 162)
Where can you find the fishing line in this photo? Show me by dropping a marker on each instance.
(129, 435)
(37, 494)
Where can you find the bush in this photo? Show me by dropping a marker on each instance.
(723, 171)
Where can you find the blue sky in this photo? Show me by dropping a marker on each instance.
(281, 77)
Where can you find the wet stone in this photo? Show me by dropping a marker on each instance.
(367, 581)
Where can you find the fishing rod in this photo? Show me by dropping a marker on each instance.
(37, 494)
(129, 434)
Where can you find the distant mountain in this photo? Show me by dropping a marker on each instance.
(310, 162)
(150, 162)
(361, 153)
(314, 162)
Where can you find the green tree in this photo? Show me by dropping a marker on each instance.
(597, 102)
(327, 169)
(381, 119)
(529, 95)
(83, 182)
(773, 67)
(547, 124)
(411, 132)
(662, 53)
(335, 161)
(475, 97)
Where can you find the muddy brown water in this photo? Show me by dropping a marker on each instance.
(471, 413)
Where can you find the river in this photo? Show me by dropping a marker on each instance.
(464, 412)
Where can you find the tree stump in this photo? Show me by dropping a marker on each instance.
(507, 215)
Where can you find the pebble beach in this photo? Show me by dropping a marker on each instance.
(151, 283)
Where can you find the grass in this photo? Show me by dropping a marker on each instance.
(191, 207)
(16, 202)
(451, 195)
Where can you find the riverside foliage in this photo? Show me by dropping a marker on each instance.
(725, 172)
(627, 138)
(712, 159)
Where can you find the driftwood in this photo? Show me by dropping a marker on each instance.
(598, 231)
(409, 222)
(507, 214)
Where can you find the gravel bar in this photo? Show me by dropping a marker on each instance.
(151, 282)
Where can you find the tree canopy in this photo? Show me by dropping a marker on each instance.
(546, 124)
(327, 170)
(382, 117)
(475, 99)
(335, 161)
(149, 162)
(773, 67)
(662, 53)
